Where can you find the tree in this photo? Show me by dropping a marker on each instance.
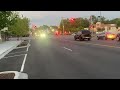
(94, 19)
(78, 24)
(7, 18)
(116, 21)
(21, 27)
(54, 27)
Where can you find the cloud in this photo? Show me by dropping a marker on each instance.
(54, 17)
(34, 14)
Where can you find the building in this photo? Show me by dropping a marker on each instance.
(101, 27)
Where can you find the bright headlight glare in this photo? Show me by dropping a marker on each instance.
(43, 35)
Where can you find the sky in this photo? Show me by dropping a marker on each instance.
(54, 17)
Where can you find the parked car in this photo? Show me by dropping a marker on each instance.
(82, 35)
(118, 37)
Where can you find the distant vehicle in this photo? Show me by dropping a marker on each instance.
(118, 37)
(82, 35)
(73, 34)
(106, 35)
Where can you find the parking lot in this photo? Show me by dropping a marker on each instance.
(15, 60)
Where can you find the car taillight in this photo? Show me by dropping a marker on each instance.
(110, 35)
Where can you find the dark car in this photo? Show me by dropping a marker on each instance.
(82, 35)
(106, 35)
(118, 37)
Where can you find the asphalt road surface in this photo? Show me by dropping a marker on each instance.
(60, 57)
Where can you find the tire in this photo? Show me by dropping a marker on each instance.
(98, 38)
(80, 38)
(75, 39)
(89, 39)
(118, 39)
(104, 38)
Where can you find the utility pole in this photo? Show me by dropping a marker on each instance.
(100, 16)
(63, 25)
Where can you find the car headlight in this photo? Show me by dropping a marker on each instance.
(43, 35)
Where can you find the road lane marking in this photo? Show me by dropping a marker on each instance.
(24, 46)
(67, 49)
(29, 40)
(20, 47)
(23, 64)
(14, 56)
(100, 45)
(28, 47)
(16, 52)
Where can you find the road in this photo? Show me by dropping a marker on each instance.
(63, 58)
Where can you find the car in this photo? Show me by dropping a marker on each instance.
(118, 37)
(82, 35)
(73, 34)
(106, 35)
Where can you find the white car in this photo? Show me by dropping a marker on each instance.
(73, 34)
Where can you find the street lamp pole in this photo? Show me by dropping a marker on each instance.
(100, 16)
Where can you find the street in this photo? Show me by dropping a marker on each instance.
(60, 57)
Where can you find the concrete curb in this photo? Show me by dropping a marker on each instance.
(18, 75)
(9, 50)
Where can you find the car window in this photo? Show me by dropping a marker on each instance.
(85, 32)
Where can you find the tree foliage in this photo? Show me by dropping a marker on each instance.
(21, 27)
(78, 24)
(7, 18)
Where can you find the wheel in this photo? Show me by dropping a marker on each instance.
(80, 38)
(89, 39)
(104, 38)
(75, 39)
(98, 38)
(118, 39)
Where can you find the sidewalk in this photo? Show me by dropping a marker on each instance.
(7, 46)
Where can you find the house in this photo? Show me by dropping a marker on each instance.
(101, 26)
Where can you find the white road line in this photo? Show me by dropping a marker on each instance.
(67, 48)
(14, 56)
(23, 64)
(28, 47)
(16, 52)
(20, 47)
(29, 41)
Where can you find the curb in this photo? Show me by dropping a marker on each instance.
(18, 75)
(9, 50)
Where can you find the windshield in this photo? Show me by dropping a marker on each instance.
(85, 32)
(60, 44)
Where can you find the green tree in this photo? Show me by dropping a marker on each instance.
(78, 24)
(7, 18)
(94, 19)
(115, 21)
(21, 27)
